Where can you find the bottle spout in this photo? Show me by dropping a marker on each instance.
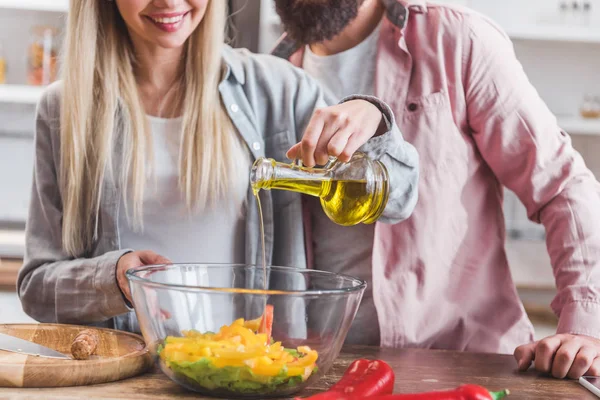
(262, 173)
(268, 174)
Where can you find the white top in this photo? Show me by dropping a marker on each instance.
(349, 72)
(340, 249)
(212, 236)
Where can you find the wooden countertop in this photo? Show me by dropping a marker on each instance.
(9, 268)
(416, 371)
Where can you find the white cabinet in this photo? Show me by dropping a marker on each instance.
(544, 19)
(16, 169)
(17, 113)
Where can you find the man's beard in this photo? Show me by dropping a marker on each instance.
(313, 21)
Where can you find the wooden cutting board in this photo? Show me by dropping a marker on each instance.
(119, 355)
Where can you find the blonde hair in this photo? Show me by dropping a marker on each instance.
(100, 89)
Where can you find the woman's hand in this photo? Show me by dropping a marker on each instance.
(337, 131)
(132, 260)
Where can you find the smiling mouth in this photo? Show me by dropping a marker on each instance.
(170, 20)
(168, 23)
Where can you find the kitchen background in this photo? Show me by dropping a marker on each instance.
(558, 43)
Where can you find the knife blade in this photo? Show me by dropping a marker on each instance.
(17, 345)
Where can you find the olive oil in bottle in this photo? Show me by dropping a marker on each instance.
(350, 193)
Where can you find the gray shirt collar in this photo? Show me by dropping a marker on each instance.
(233, 65)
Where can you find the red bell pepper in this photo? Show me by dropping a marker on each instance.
(364, 378)
(464, 392)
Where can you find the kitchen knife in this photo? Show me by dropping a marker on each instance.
(16, 345)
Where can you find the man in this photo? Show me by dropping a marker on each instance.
(441, 279)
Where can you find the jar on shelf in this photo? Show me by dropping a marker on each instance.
(563, 12)
(597, 107)
(2, 66)
(589, 108)
(42, 58)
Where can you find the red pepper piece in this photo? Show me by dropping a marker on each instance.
(465, 392)
(266, 322)
(363, 378)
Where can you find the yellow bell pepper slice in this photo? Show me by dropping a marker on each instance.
(226, 362)
(265, 366)
(253, 324)
(248, 338)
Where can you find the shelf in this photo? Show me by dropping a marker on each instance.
(12, 244)
(580, 126)
(553, 33)
(36, 5)
(23, 94)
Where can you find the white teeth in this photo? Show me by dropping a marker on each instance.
(171, 20)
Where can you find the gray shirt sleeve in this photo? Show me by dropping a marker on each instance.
(52, 286)
(399, 157)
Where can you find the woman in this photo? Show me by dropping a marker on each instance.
(147, 143)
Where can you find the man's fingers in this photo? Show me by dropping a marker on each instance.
(330, 130)
(354, 143)
(524, 355)
(595, 368)
(564, 357)
(295, 152)
(338, 143)
(311, 138)
(583, 362)
(544, 353)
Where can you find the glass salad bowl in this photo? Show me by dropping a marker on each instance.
(241, 331)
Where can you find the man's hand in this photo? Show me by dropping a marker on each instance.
(562, 355)
(338, 131)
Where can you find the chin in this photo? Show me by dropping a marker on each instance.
(171, 43)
